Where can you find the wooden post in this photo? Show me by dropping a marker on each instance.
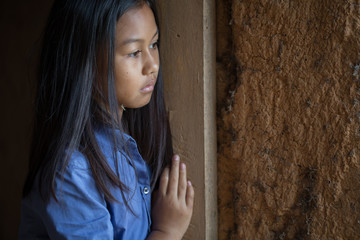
(188, 63)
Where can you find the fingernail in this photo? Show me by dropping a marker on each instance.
(176, 158)
(183, 166)
(189, 183)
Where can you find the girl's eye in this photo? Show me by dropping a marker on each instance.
(154, 45)
(135, 54)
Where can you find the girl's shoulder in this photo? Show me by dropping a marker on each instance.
(77, 160)
(109, 143)
(105, 140)
(110, 139)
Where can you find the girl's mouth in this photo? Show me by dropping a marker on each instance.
(149, 87)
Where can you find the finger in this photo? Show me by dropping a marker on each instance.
(190, 195)
(174, 176)
(182, 182)
(164, 180)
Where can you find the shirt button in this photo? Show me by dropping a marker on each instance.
(146, 190)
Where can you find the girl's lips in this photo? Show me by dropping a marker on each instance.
(149, 87)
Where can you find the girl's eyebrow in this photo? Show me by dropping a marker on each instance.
(132, 40)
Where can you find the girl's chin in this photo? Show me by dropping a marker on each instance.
(139, 104)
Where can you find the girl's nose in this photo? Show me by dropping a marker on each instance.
(151, 64)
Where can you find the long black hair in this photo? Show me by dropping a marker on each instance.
(79, 36)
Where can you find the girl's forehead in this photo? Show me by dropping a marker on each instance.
(137, 22)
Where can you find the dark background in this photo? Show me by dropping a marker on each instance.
(21, 25)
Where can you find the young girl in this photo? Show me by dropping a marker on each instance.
(99, 90)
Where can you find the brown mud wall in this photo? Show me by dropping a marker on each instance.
(288, 116)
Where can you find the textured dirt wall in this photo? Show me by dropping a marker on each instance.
(288, 116)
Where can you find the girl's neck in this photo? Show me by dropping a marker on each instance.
(105, 113)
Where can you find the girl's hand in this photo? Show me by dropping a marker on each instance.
(172, 203)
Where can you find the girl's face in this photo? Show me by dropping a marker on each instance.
(136, 57)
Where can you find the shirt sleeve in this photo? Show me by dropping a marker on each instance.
(81, 210)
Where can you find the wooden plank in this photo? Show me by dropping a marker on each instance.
(188, 63)
(209, 60)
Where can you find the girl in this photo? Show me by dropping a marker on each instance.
(88, 179)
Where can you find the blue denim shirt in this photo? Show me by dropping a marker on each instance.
(82, 211)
